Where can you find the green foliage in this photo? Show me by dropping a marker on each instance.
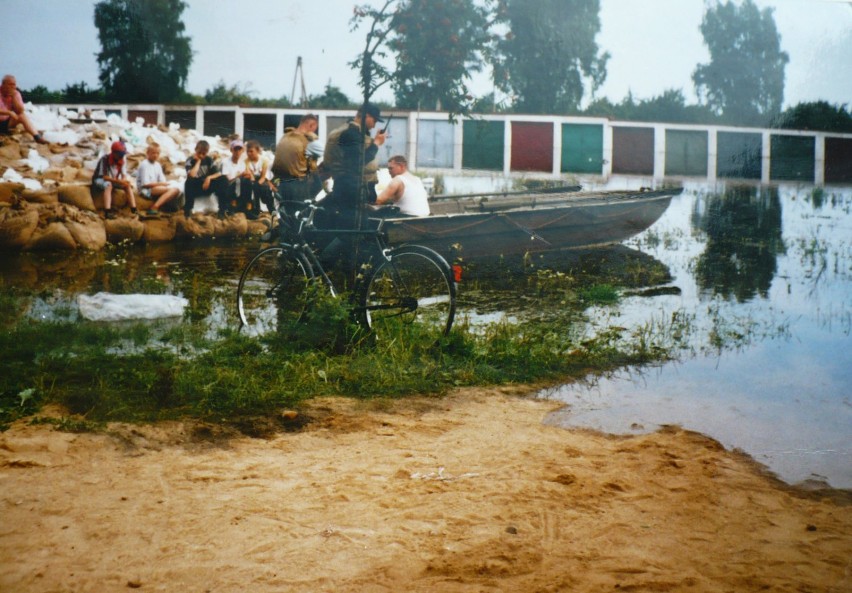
(669, 107)
(818, 115)
(549, 54)
(145, 53)
(332, 98)
(744, 81)
(438, 44)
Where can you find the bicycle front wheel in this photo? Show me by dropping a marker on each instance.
(412, 289)
(272, 292)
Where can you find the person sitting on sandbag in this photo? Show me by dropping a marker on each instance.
(204, 178)
(111, 171)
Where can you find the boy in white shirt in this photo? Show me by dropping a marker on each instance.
(152, 183)
(239, 184)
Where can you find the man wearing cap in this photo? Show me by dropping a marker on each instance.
(111, 171)
(342, 159)
(296, 157)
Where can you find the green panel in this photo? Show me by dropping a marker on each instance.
(686, 153)
(791, 158)
(482, 146)
(582, 148)
(738, 155)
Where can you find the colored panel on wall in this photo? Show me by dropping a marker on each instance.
(582, 148)
(435, 146)
(838, 160)
(482, 147)
(532, 146)
(219, 123)
(686, 153)
(738, 155)
(791, 158)
(150, 117)
(260, 127)
(633, 151)
(184, 118)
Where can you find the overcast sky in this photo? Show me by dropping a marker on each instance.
(654, 44)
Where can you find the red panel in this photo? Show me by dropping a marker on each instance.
(150, 117)
(532, 146)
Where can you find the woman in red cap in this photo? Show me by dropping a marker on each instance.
(111, 172)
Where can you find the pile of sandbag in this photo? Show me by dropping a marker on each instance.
(45, 196)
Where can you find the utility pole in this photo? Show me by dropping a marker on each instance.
(299, 75)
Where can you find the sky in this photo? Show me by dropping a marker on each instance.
(655, 46)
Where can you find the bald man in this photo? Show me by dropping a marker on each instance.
(12, 110)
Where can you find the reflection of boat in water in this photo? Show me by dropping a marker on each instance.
(519, 222)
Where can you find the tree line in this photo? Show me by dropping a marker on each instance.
(543, 56)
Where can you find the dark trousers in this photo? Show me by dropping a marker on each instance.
(194, 189)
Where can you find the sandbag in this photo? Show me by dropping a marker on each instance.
(77, 195)
(7, 190)
(17, 225)
(42, 196)
(88, 233)
(159, 230)
(124, 229)
(53, 236)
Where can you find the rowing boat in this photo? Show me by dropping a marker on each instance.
(488, 224)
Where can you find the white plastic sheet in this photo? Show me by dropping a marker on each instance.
(105, 306)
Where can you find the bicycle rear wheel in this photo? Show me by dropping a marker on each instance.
(273, 290)
(413, 289)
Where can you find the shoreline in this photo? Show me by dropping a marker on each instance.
(471, 490)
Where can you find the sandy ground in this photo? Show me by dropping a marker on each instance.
(467, 493)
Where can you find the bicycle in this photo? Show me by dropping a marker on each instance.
(405, 285)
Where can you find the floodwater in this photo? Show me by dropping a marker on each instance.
(761, 291)
(765, 282)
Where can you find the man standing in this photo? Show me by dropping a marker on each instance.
(296, 157)
(405, 191)
(343, 158)
(12, 110)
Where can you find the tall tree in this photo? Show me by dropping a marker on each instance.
(145, 54)
(744, 80)
(550, 53)
(438, 44)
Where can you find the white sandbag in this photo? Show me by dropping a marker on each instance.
(36, 162)
(105, 306)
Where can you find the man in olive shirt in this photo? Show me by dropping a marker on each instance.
(296, 158)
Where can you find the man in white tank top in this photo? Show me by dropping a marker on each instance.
(405, 191)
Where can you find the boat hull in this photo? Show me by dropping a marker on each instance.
(498, 227)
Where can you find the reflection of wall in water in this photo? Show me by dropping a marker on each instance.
(743, 229)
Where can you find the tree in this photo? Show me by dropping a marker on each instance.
(550, 53)
(332, 98)
(222, 94)
(438, 44)
(819, 115)
(744, 80)
(145, 54)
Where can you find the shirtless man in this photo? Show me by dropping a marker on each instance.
(405, 191)
(12, 110)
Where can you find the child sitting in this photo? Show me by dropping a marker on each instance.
(152, 183)
(111, 171)
(261, 185)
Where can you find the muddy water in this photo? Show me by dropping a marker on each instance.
(765, 282)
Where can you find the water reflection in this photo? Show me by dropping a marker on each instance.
(771, 324)
(743, 230)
